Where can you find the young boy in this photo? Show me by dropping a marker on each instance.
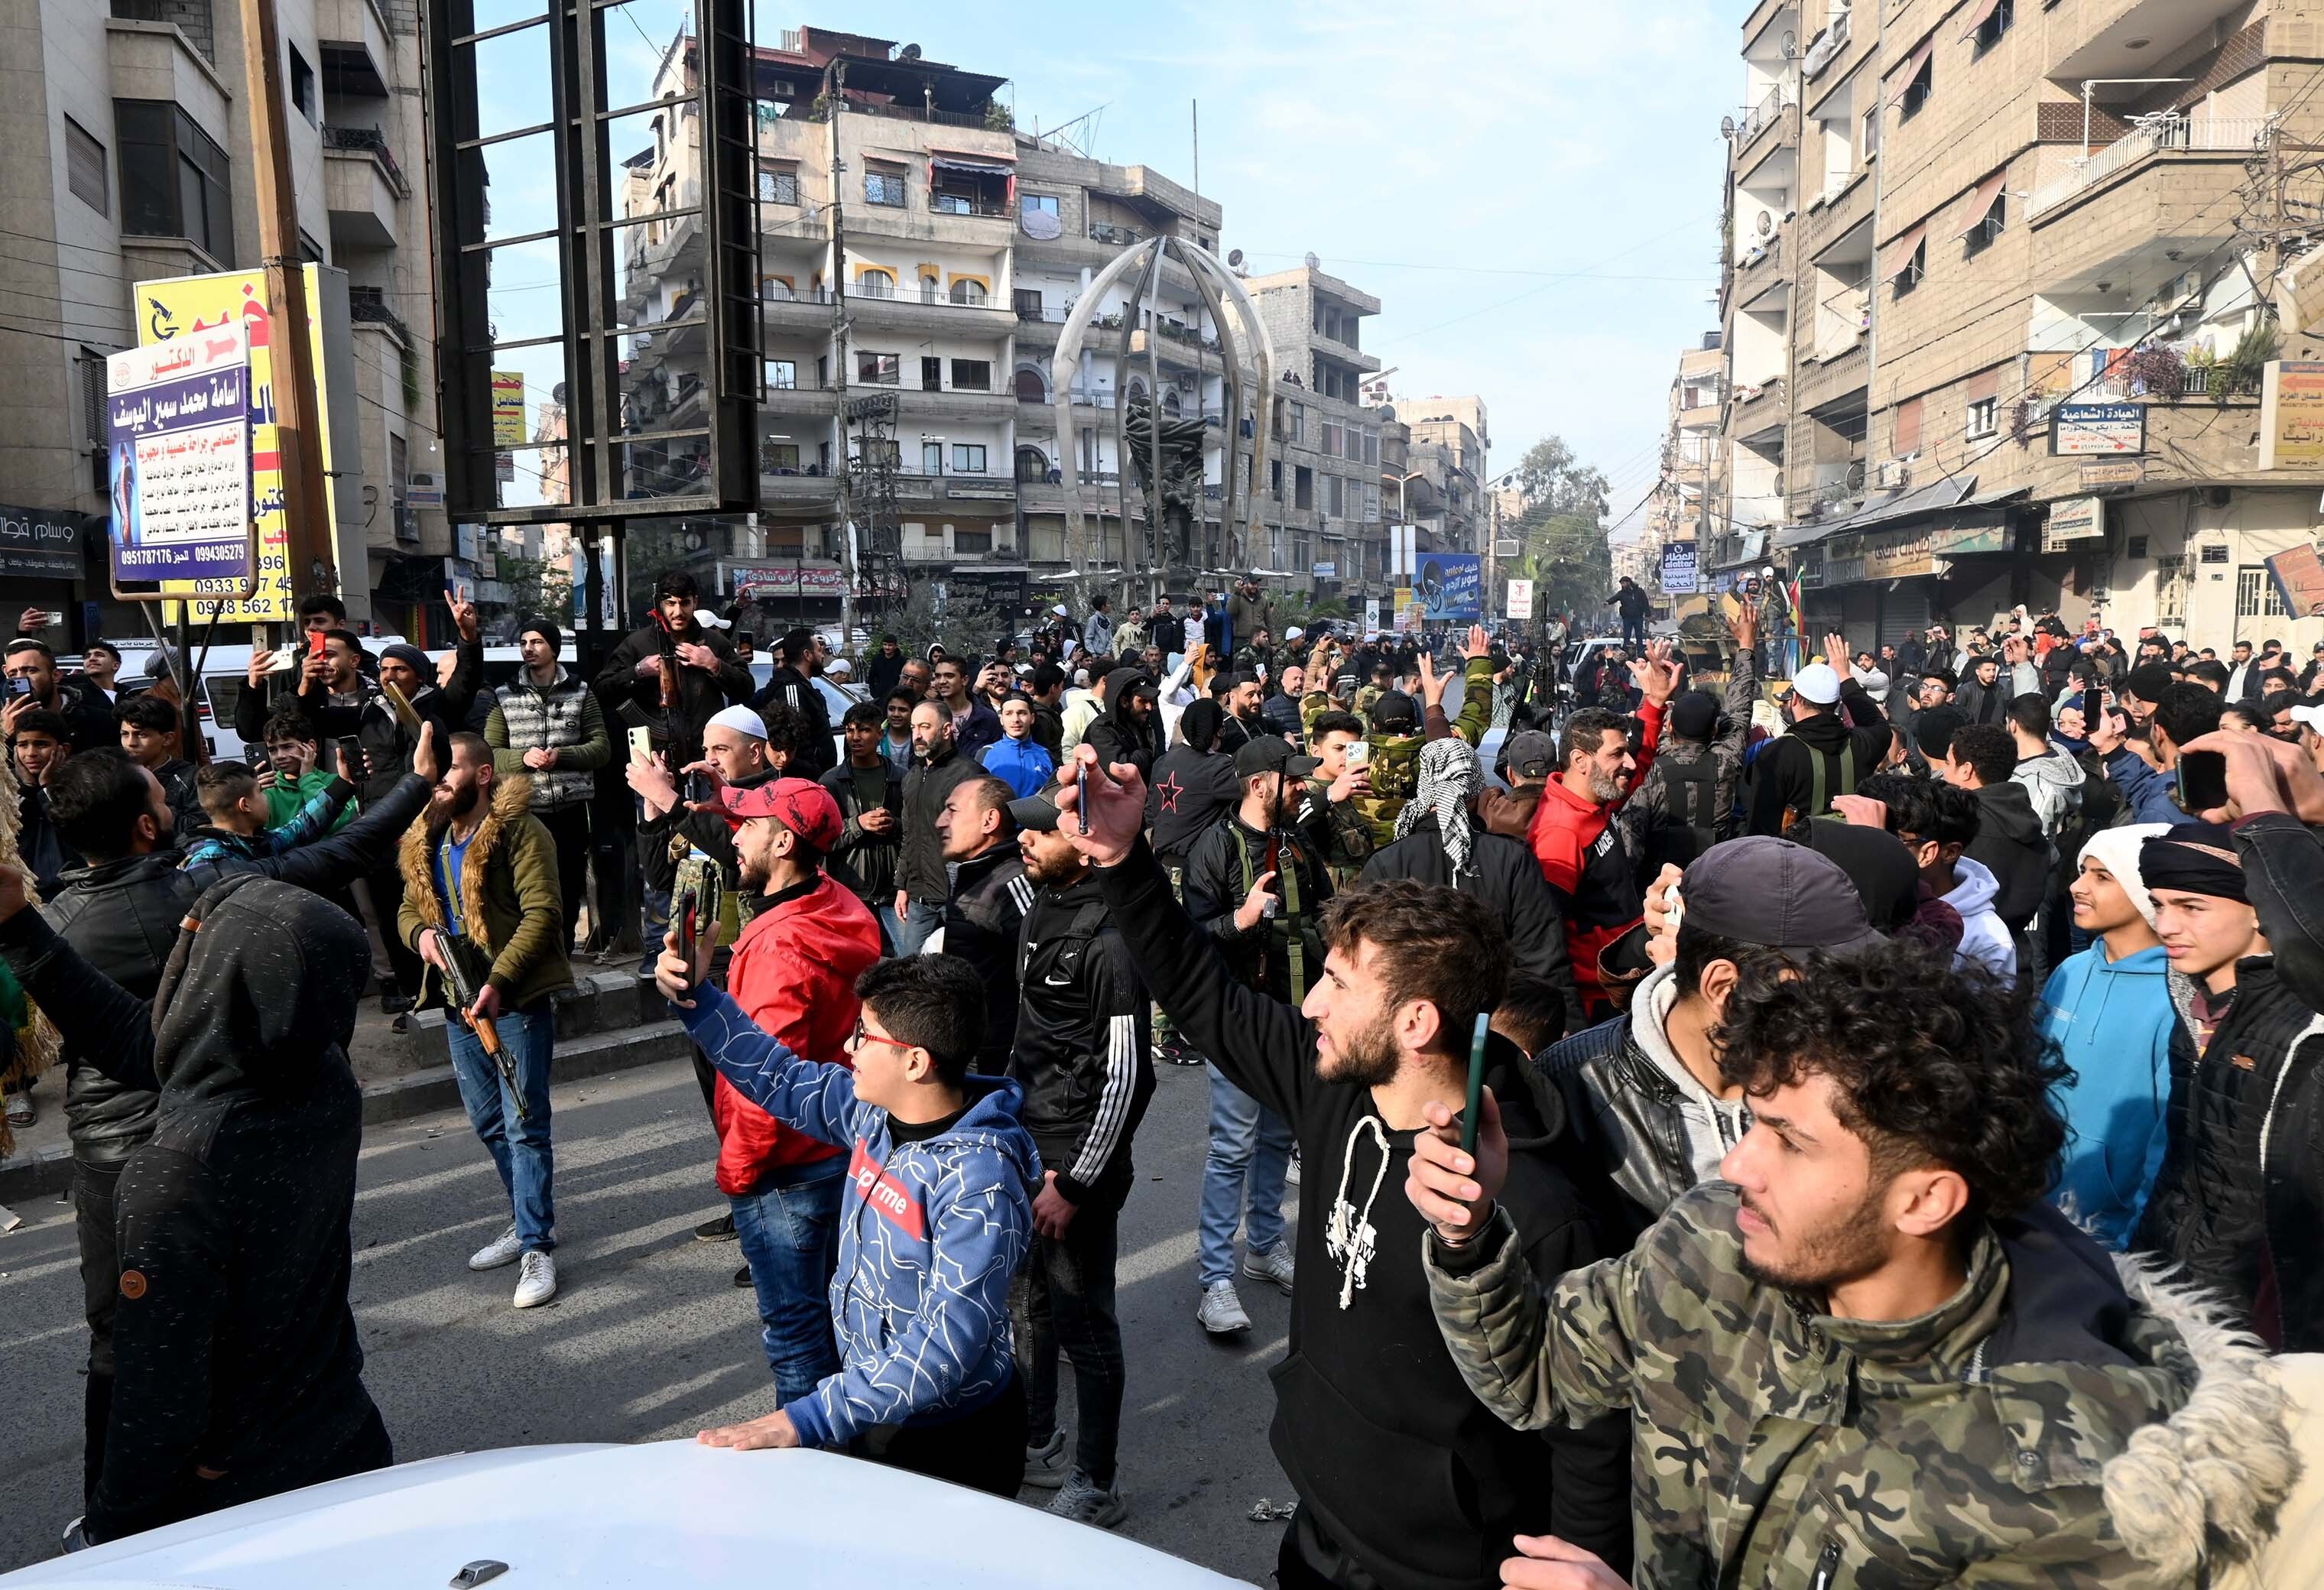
(936, 1220)
(295, 771)
(150, 731)
(237, 812)
(1016, 759)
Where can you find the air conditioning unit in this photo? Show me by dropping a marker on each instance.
(1894, 473)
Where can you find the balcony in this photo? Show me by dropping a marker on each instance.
(363, 188)
(921, 316)
(968, 204)
(1760, 413)
(1106, 232)
(789, 489)
(1769, 112)
(2219, 141)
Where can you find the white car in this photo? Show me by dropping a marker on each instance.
(669, 1516)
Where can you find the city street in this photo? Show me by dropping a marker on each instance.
(647, 1339)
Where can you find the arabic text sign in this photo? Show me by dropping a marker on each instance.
(2291, 415)
(177, 419)
(2081, 430)
(1520, 604)
(1679, 567)
(508, 407)
(2299, 577)
(1453, 586)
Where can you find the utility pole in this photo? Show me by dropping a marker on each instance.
(849, 564)
(297, 414)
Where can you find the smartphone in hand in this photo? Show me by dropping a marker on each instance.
(2202, 781)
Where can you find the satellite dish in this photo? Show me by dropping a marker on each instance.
(1313, 263)
(1234, 257)
(912, 51)
(1727, 126)
(1766, 223)
(1387, 415)
(1790, 45)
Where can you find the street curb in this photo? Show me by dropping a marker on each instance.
(416, 1093)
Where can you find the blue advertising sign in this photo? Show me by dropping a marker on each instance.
(1452, 586)
(178, 418)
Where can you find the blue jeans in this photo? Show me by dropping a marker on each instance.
(1634, 634)
(655, 906)
(789, 1232)
(910, 932)
(519, 1147)
(1250, 1147)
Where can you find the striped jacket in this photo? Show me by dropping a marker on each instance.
(1083, 1052)
(563, 717)
(930, 1234)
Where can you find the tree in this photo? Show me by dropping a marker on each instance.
(1561, 529)
(1551, 477)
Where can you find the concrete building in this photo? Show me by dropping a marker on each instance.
(1681, 509)
(1322, 502)
(1985, 258)
(132, 129)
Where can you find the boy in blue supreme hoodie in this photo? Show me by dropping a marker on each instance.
(937, 1217)
(2109, 1010)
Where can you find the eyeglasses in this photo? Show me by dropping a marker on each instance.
(862, 1035)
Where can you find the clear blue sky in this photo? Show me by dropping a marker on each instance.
(1452, 158)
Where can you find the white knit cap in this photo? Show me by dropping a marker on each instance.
(741, 720)
(2116, 849)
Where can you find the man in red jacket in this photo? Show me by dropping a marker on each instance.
(793, 973)
(1574, 837)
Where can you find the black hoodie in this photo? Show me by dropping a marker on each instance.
(2010, 846)
(1783, 778)
(1401, 1465)
(238, 1374)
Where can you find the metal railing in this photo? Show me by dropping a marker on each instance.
(1121, 236)
(374, 142)
(1765, 113)
(2171, 131)
(369, 305)
(968, 204)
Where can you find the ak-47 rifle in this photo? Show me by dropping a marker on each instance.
(461, 990)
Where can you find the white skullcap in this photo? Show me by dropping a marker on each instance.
(741, 720)
(2118, 849)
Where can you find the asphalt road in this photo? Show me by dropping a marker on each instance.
(647, 1339)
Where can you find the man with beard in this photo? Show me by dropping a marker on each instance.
(1082, 1054)
(1130, 728)
(1242, 714)
(793, 973)
(1404, 1477)
(922, 884)
(480, 883)
(87, 711)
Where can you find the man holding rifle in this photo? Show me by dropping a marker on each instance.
(482, 908)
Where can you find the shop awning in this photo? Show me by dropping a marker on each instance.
(1980, 202)
(1900, 252)
(949, 162)
(1913, 68)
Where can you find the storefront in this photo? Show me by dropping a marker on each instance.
(47, 559)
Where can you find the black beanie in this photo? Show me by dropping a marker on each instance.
(1694, 715)
(547, 631)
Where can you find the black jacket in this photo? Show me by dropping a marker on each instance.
(919, 864)
(334, 860)
(89, 716)
(1402, 1465)
(1120, 737)
(882, 675)
(868, 859)
(2009, 844)
(1084, 1048)
(1783, 779)
(121, 917)
(386, 743)
(1225, 861)
(1504, 875)
(983, 922)
(42, 848)
(1282, 716)
(2239, 1199)
(1049, 729)
(2283, 868)
(700, 693)
(811, 757)
(1189, 792)
(234, 1344)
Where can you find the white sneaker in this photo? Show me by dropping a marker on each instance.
(536, 1282)
(1273, 1266)
(503, 1249)
(1291, 1171)
(1222, 1312)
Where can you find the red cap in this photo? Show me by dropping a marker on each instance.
(800, 805)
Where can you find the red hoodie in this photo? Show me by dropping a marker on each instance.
(1583, 856)
(793, 973)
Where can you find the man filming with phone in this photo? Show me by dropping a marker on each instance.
(481, 907)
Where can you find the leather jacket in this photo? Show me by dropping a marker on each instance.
(1624, 1114)
(121, 917)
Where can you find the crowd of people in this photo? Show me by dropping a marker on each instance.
(1860, 1128)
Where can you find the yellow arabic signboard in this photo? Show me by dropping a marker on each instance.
(2291, 415)
(508, 407)
(178, 306)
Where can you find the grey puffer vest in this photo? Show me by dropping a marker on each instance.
(549, 719)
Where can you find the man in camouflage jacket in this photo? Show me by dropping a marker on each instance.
(1785, 1433)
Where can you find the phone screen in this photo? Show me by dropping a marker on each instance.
(2202, 780)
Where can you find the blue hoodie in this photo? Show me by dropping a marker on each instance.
(930, 1234)
(2113, 1022)
(1022, 765)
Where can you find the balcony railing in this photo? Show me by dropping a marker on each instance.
(374, 142)
(1767, 112)
(968, 204)
(2169, 131)
(368, 305)
(1121, 237)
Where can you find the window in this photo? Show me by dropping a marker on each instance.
(1915, 269)
(1298, 422)
(881, 370)
(1983, 417)
(1335, 496)
(1869, 139)
(1275, 477)
(779, 458)
(878, 453)
(94, 428)
(1026, 302)
(822, 371)
(968, 290)
(968, 458)
(972, 540)
(1303, 486)
(778, 187)
(1908, 429)
(302, 83)
(884, 186)
(782, 375)
(931, 290)
(931, 375)
(85, 168)
(1028, 202)
(972, 375)
(1030, 386)
(174, 178)
(2256, 593)
(1032, 466)
(1995, 24)
(876, 283)
(1981, 235)
(1371, 502)
(1916, 92)
(775, 290)
(932, 458)
(1371, 448)
(1331, 438)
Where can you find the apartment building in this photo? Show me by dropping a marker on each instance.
(1449, 450)
(1322, 502)
(1988, 265)
(131, 120)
